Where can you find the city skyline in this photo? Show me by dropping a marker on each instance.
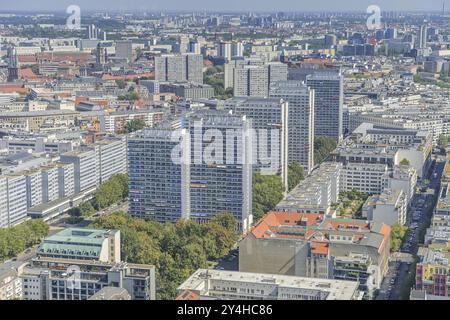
(225, 151)
(229, 6)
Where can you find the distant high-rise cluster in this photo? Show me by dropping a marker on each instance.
(179, 68)
(252, 77)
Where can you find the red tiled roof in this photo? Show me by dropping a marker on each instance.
(10, 88)
(319, 247)
(275, 219)
(207, 63)
(80, 99)
(386, 232)
(27, 58)
(78, 57)
(27, 74)
(188, 295)
(127, 77)
(335, 224)
(317, 61)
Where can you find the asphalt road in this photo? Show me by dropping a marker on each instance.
(401, 266)
(60, 223)
(230, 262)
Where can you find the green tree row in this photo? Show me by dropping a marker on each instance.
(268, 190)
(296, 174)
(176, 249)
(267, 193)
(16, 239)
(130, 96)
(323, 146)
(132, 126)
(214, 77)
(398, 232)
(350, 203)
(108, 193)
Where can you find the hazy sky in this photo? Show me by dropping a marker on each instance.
(230, 5)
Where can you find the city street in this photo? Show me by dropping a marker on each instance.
(60, 223)
(401, 265)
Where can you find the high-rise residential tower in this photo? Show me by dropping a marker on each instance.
(221, 166)
(270, 124)
(124, 49)
(179, 67)
(159, 186)
(329, 100)
(194, 172)
(300, 100)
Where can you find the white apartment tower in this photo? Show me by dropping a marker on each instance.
(301, 104)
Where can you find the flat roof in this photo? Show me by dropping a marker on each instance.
(335, 289)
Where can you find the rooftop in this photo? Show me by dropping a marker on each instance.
(332, 289)
(76, 242)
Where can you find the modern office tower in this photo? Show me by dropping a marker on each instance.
(423, 37)
(232, 285)
(224, 50)
(270, 124)
(124, 49)
(194, 47)
(330, 40)
(34, 187)
(159, 185)
(179, 68)
(92, 32)
(221, 166)
(14, 190)
(112, 157)
(50, 183)
(82, 244)
(86, 173)
(237, 49)
(329, 100)
(66, 180)
(301, 106)
(13, 65)
(101, 55)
